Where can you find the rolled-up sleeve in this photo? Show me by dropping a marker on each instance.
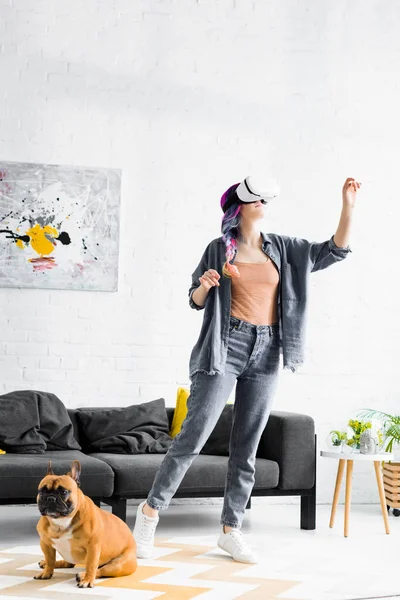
(201, 267)
(192, 303)
(324, 254)
(317, 255)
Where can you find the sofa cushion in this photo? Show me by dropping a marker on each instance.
(33, 422)
(72, 415)
(20, 474)
(134, 474)
(74, 420)
(135, 429)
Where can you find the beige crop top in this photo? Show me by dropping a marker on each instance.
(255, 293)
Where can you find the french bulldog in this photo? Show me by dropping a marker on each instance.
(80, 531)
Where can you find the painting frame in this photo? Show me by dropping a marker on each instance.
(59, 226)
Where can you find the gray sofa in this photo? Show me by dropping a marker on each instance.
(285, 466)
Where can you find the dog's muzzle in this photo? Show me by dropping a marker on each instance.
(52, 505)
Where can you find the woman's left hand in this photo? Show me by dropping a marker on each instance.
(349, 192)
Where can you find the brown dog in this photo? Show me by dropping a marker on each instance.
(80, 531)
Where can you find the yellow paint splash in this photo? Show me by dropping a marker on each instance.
(38, 240)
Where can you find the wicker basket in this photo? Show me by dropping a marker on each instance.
(391, 483)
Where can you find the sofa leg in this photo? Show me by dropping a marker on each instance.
(308, 511)
(118, 506)
(248, 505)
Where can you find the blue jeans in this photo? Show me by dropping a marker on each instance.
(253, 363)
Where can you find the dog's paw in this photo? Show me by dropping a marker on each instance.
(84, 581)
(45, 575)
(42, 564)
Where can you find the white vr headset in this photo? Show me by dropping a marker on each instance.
(248, 191)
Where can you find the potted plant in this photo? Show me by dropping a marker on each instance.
(391, 470)
(391, 426)
(336, 439)
(356, 428)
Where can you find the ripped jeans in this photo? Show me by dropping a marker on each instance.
(253, 363)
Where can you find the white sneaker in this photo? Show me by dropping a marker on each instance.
(143, 532)
(234, 544)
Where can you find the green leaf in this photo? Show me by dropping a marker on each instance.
(369, 413)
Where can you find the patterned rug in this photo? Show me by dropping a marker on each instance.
(177, 572)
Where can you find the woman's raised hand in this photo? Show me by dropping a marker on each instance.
(209, 279)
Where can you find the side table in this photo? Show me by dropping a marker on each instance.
(350, 458)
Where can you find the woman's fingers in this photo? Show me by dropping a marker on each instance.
(210, 278)
(214, 276)
(350, 180)
(206, 283)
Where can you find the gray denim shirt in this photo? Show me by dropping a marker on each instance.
(295, 258)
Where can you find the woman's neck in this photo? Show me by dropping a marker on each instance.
(250, 236)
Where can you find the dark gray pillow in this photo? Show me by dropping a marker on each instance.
(136, 429)
(218, 442)
(32, 422)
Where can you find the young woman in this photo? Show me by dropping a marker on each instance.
(253, 288)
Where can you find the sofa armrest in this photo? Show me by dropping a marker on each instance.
(289, 440)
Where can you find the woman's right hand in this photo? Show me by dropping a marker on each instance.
(209, 279)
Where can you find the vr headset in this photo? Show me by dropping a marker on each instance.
(247, 192)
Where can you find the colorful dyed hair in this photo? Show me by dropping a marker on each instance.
(230, 228)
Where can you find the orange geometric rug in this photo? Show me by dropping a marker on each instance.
(177, 572)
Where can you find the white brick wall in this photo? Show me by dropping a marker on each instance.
(186, 98)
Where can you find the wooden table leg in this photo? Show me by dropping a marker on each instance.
(349, 473)
(381, 490)
(339, 477)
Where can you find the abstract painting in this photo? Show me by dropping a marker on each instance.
(59, 226)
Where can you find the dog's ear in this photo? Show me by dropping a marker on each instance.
(49, 469)
(75, 472)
